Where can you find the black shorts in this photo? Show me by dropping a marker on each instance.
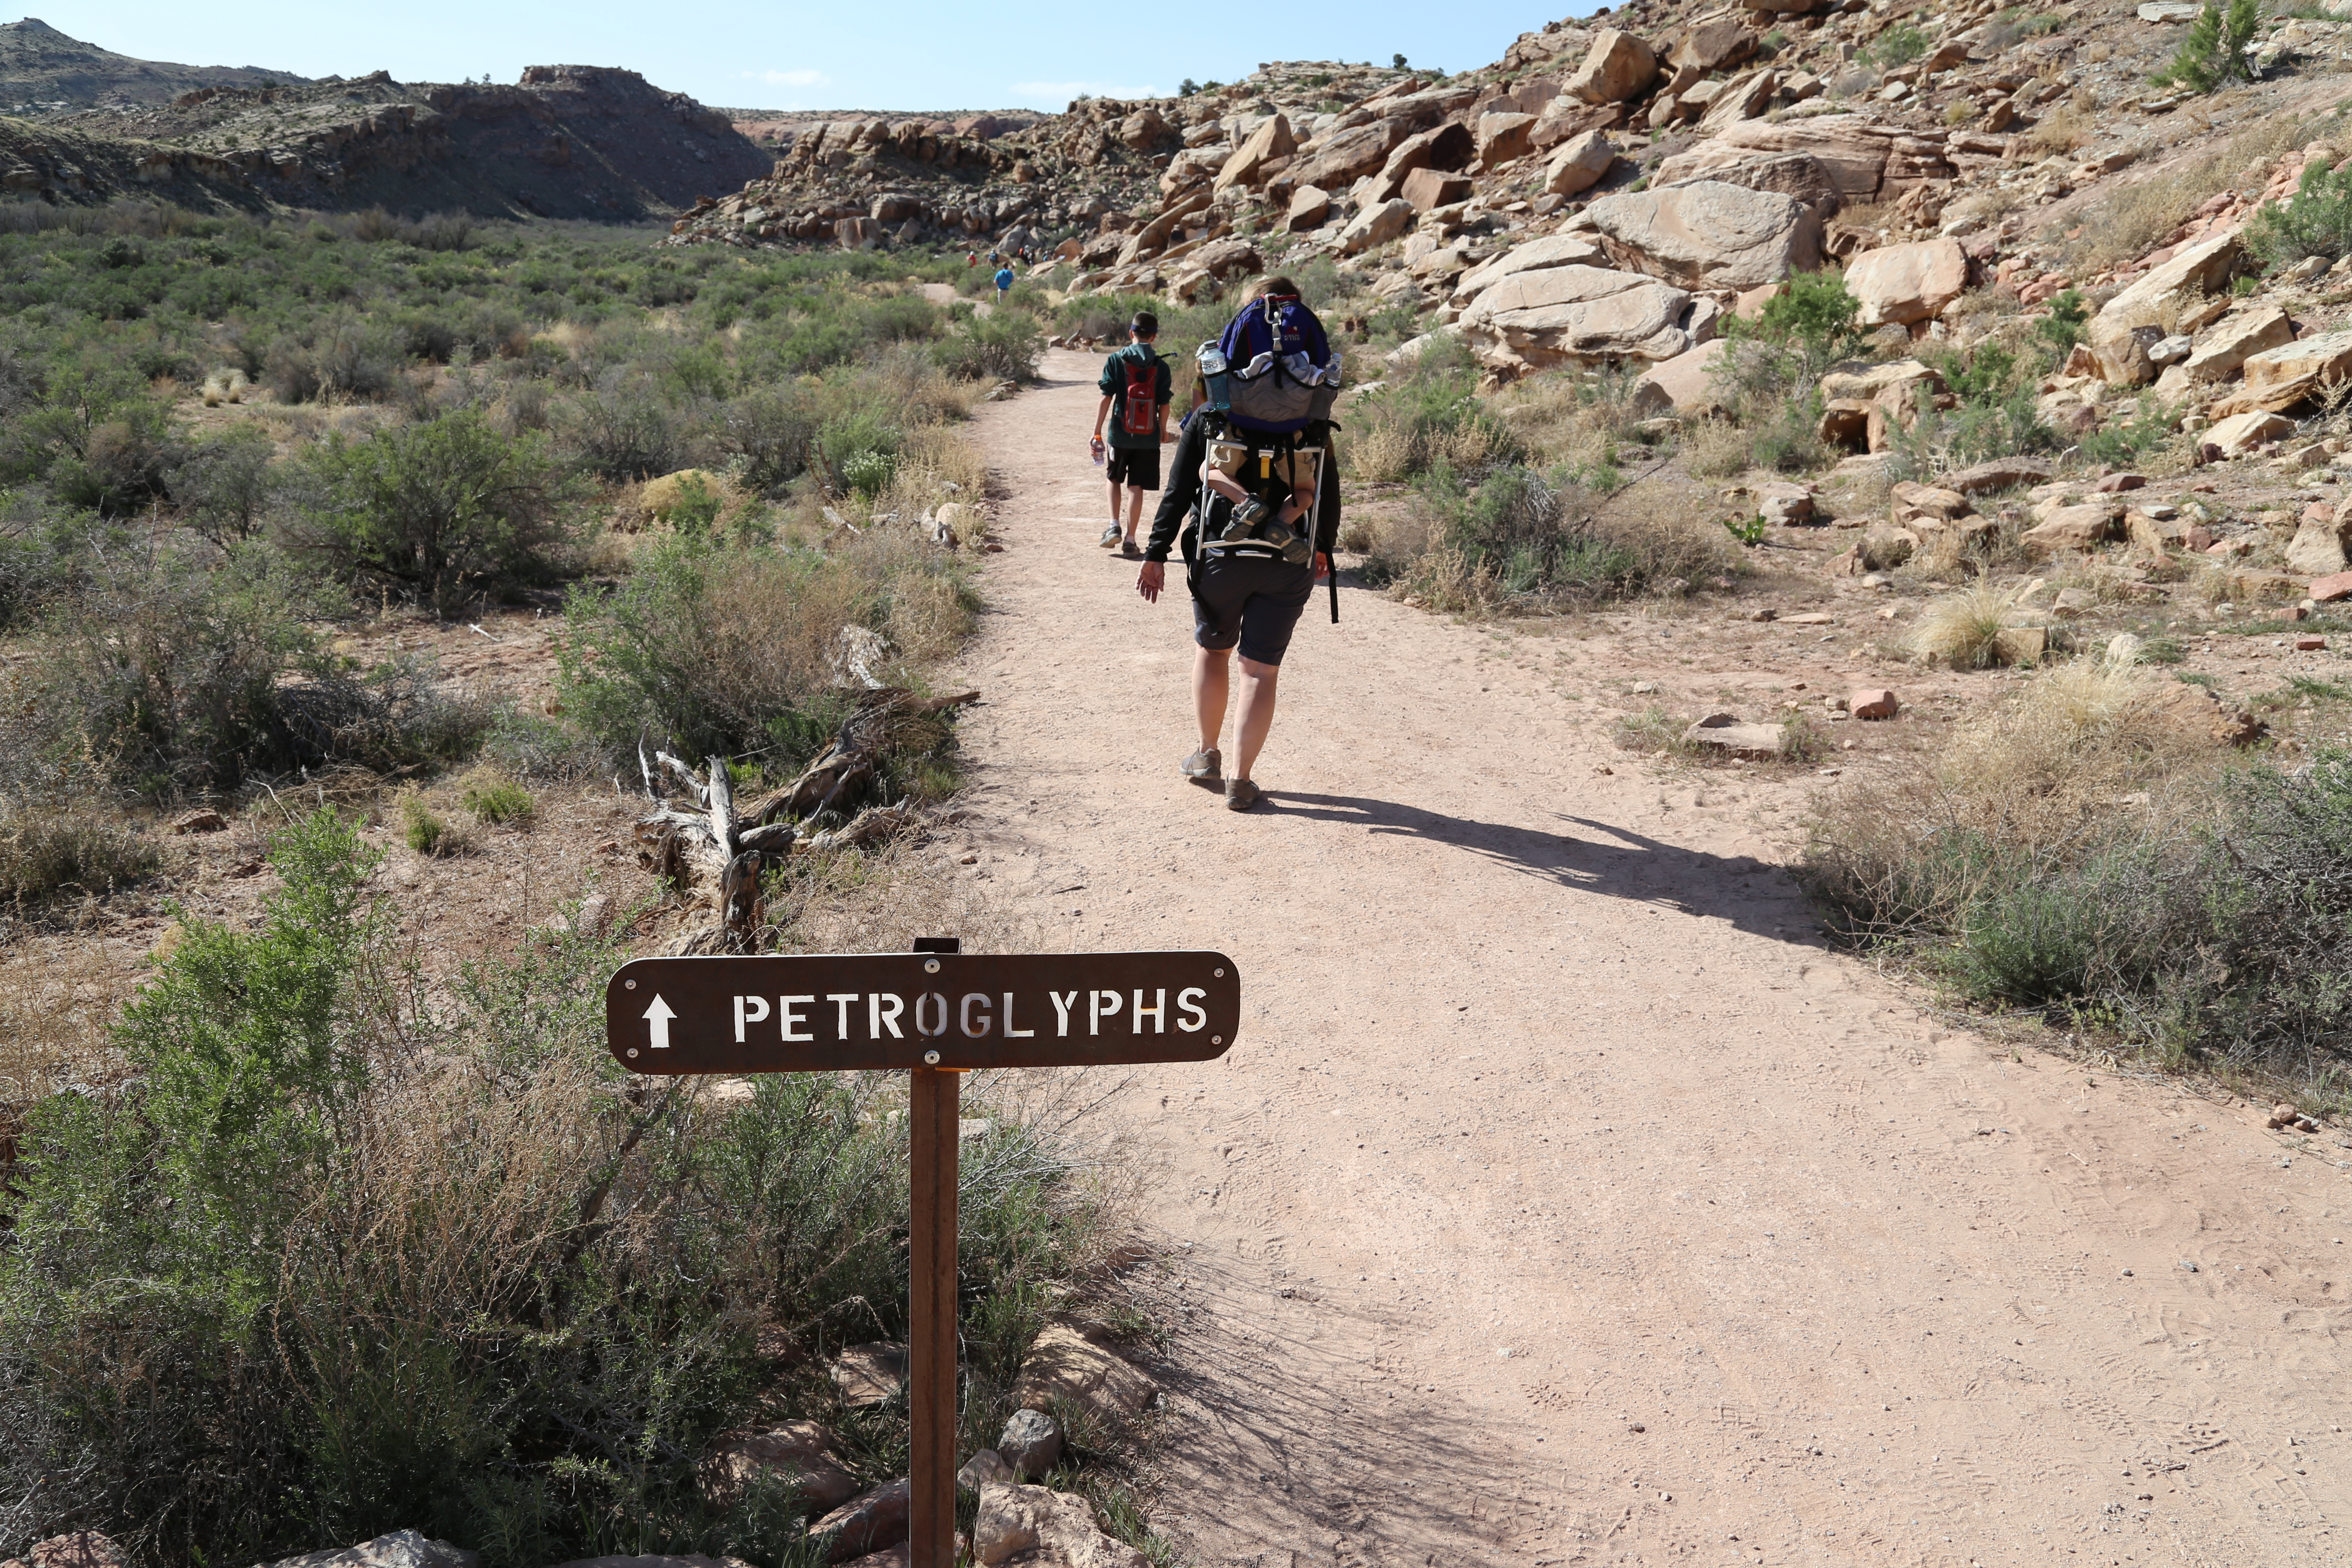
(1252, 600)
(1136, 465)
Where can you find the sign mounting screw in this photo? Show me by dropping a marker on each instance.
(1221, 975)
(629, 986)
(931, 966)
(932, 1058)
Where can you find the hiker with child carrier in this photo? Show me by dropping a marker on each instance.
(1254, 489)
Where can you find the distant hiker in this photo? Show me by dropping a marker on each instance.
(1003, 283)
(1138, 383)
(971, 258)
(1257, 496)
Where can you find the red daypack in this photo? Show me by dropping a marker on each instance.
(1138, 410)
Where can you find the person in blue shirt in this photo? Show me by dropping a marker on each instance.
(1003, 283)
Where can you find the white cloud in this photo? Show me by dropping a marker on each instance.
(1060, 93)
(790, 79)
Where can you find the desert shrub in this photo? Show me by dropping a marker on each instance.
(445, 509)
(421, 827)
(1770, 371)
(624, 428)
(223, 484)
(494, 798)
(2317, 223)
(1429, 414)
(772, 430)
(725, 651)
(1004, 345)
(285, 1284)
(2142, 215)
(1521, 536)
(2214, 55)
(2071, 853)
(167, 669)
(1898, 46)
(46, 850)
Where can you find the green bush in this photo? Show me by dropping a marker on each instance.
(420, 828)
(1004, 345)
(223, 484)
(724, 651)
(279, 1285)
(2318, 222)
(446, 508)
(2214, 55)
(494, 799)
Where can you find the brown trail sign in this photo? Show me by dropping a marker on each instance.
(935, 1012)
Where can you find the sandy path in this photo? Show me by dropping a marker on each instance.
(1564, 1202)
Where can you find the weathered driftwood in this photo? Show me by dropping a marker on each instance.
(696, 833)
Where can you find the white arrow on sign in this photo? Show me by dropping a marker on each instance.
(658, 1016)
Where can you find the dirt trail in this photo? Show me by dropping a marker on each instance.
(1564, 1201)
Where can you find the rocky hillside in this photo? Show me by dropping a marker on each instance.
(41, 70)
(569, 142)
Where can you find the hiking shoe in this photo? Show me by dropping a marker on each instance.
(1111, 536)
(1201, 767)
(1130, 552)
(1241, 795)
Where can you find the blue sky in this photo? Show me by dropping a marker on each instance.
(836, 55)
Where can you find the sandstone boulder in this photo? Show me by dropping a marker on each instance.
(1428, 189)
(1617, 68)
(2292, 374)
(798, 1452)
(1270, 141)
(2240, 433)
(401, 1549)
(1684, 385)
(2224, 346)
(1065, 1363)
(868, 1374)
(1346, 156)
(1310, 207)
(2071, 529)
(1562, 315)
(1866, 159)
(1724, 735)
(1580, 164)
(1503, 137)
(1032, 1525)
(1576, 249)
(1799, 176)
(866, 1523)
(1706, 235)
(2320, 543)
(1900, 284)
(1874, 702)
(1997, 474)
(1911, 502)
(1376, 225)
(1712, 47)
(2176, 296)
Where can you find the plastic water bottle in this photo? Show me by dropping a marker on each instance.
(1095, 445)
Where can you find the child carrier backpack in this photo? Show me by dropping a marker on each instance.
(1273, 369)
(1138, 407)
(1272, 469)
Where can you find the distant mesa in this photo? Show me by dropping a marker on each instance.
(40, 66)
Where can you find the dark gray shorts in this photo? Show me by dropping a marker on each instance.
(1252, 600)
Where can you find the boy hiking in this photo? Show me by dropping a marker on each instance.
(1003, 283)
(1136, 384)
(1254, 492)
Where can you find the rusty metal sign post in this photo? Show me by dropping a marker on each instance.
(934, 1013)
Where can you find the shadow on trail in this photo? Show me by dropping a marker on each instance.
(1589, 857)
(1296, 1400)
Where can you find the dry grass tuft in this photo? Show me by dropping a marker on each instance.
(2140, 216)
(1964, 629)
